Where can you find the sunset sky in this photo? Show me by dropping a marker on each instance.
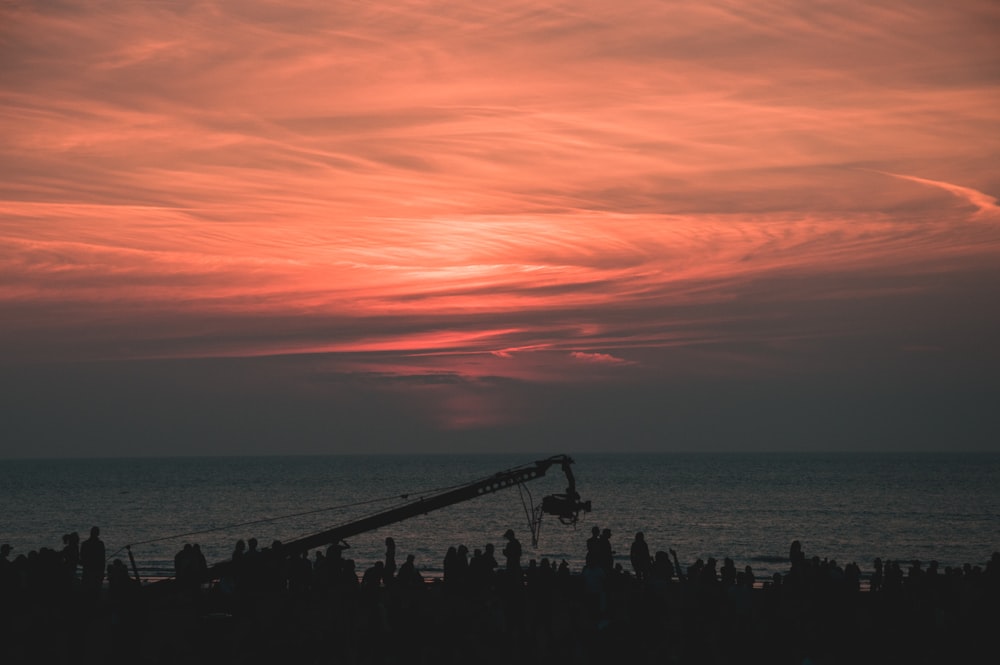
(311, 226)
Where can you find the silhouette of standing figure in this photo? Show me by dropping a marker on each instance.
(92, 562)
(390, 561)
(594, 540)
(70, 558)
(639, 556)
(512, 551)
(605, 553)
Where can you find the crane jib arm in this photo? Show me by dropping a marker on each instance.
(565, 506)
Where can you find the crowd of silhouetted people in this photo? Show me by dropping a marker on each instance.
(267, 604)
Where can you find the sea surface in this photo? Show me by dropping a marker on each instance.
(749, 507)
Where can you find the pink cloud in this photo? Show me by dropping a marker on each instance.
(602, 358)
(985, 204)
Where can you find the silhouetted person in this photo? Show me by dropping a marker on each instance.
(275, 570)
(119, 582)
(795, 554)
(457, 567)
(190, 567)
(639, 557)
(92, 562)
(345, 581)
(592, 542)
(390, 560)
(452, 574)
(478, 576)
(708, 575)
(200, 565)
(321, 580)
(489, 559)
(677, 564)
(462, 564)
(372, 579)
(512, 551)
(605, 553)
(70, 556)
(875, 584)
(300, 574)
(408, 576)
(183, 566)
(335, 557)
(852, 577)
(728, 573)
(662, 570)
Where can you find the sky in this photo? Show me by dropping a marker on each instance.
(298, 226)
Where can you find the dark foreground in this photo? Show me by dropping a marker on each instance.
(277, 610)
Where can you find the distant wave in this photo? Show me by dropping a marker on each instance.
(769, 558)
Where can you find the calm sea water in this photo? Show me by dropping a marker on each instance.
(848, 507)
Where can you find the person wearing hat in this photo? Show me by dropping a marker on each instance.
(512, 551)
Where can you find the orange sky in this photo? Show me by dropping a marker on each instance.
(463, 211)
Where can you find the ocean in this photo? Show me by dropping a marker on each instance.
(749, 507)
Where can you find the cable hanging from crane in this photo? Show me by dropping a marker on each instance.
(263, 520)
(531, 512)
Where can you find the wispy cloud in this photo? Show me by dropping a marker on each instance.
(985, 204)
(602, 358)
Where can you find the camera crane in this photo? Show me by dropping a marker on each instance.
(566, 507)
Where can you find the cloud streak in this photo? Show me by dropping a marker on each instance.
(986, 205)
